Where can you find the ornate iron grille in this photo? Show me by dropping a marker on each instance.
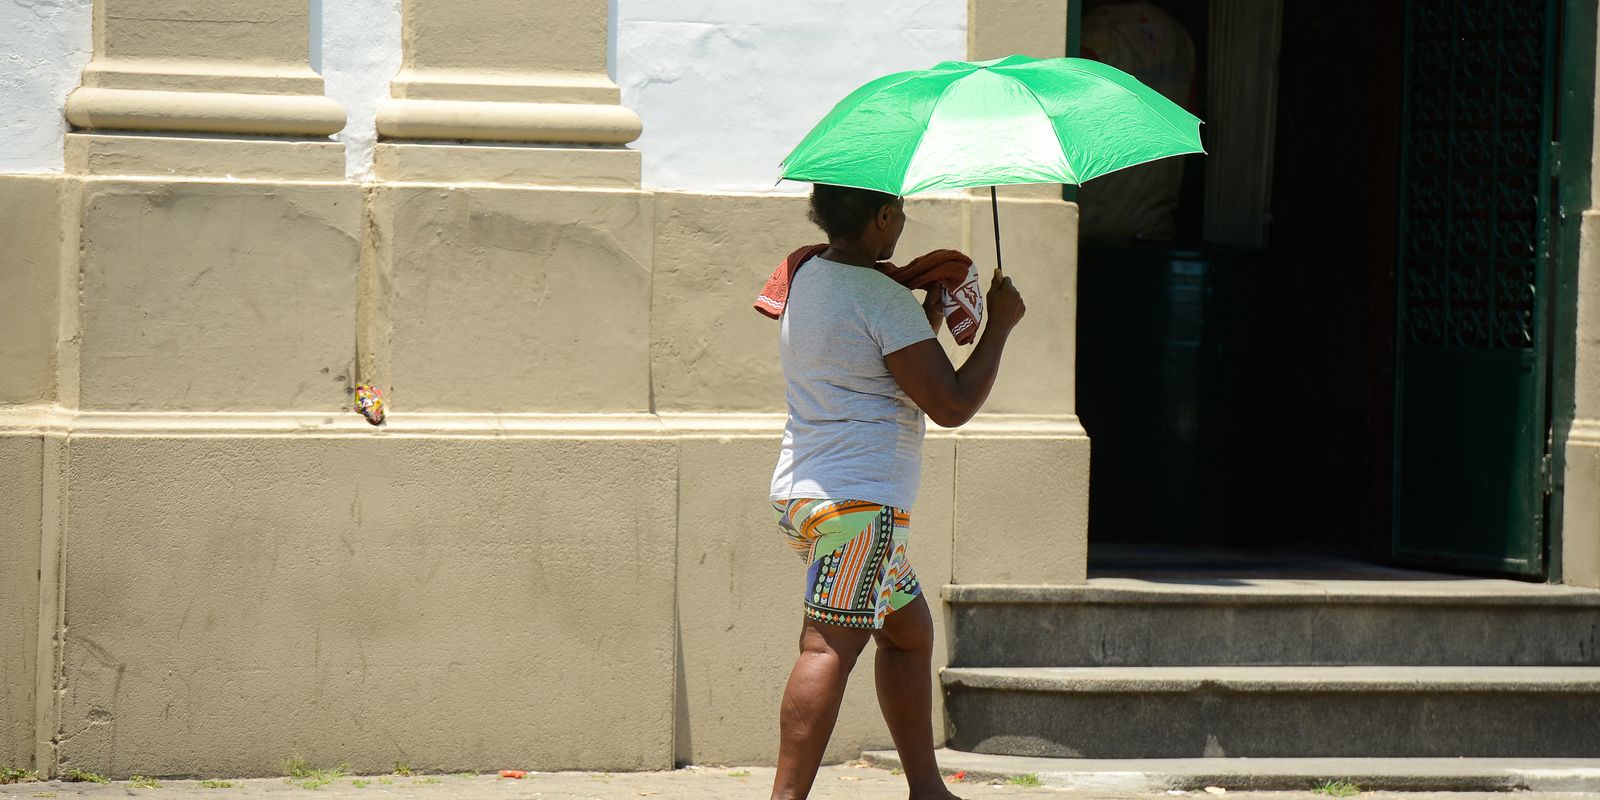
(1473, 165)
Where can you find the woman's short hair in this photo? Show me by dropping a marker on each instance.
(843, 212)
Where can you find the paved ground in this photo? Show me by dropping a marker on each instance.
(708, 783)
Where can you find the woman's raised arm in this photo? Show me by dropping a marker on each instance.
(949, 396)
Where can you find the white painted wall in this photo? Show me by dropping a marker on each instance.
(727, 87)
(43, 47)
(360, 53)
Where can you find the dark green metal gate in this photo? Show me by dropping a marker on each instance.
(1471, 419)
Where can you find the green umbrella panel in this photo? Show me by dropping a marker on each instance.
(1011, 120)
(1007, 121)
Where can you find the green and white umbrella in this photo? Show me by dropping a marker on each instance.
(986, 123)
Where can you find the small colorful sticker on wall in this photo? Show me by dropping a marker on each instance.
(369, 401)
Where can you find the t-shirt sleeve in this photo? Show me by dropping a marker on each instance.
(902, 322)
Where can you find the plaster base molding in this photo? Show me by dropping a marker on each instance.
(484, 105)
(519, 87)
(202, 75)
(508, 163)
(203, 66)
(205, 112)
(1580, 533)
(201, 156)
(1585, 431)
(566, 123)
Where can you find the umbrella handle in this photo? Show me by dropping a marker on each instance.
(994, 204)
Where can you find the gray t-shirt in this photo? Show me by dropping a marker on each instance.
(852, 434)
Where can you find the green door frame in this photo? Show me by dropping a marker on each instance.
(1069, 192)
(1575, 122)
(1074, 22)
(1445, 385)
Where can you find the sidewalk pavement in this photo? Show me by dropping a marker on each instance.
(854, 781)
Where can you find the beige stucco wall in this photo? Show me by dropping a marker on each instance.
(711, 351)
(30, 227)
(1580, 525)
(1581, 520)
(435, 31)
(1580, 535)
(215, 66)
(998, 28)
(451, 603)
(738, 595)
(216, 294)
(978, 517)
(21, 521)
(558, 554)
(527, 547)
(508, 298)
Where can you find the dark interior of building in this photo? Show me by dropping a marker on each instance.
(1241, 397)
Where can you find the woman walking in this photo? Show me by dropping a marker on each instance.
(862, 368)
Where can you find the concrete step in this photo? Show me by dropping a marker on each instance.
(1278, 712)
(1274, 774)
(1130, 622)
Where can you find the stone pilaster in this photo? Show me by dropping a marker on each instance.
(205, 88)
(208, 66)
(511, 245)
(504, 71)
(1580, 534)
(999, 28)
(200, 291)
(1029, 442)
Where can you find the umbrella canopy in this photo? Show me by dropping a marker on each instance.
(1010, 120)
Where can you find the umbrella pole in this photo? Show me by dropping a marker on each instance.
(994, 204)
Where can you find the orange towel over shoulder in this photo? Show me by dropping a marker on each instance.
(950, 271)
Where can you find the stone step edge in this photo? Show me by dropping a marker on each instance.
(1272, 774)
(1276, 679)
(1399, 593)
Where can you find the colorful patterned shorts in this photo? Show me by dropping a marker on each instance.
(857, 551)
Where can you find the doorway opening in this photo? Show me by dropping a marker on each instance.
(1260, 390)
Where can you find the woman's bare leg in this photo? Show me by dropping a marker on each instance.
(905, 694)
(811, 703)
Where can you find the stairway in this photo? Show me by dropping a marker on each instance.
(1124, 668)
